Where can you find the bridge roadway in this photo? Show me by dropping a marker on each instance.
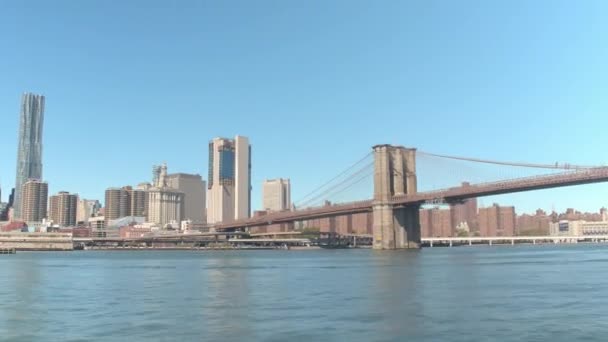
(456, 194)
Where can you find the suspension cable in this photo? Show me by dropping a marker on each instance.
(333, 179)
(566, 166)
(333, 187)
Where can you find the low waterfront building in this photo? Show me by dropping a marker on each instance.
(13, 226)
(191, 225)
(130, 232)
(97, 222)
(126, 221)
(578, 228)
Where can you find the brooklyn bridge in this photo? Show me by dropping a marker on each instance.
(394, 207)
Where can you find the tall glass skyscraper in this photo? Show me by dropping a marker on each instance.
(29, 153)
(229, 187)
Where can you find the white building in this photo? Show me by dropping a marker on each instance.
(85, 209)
(276, 194)
(165, 205)
(229, 188)
(578, 228)
(97, 222)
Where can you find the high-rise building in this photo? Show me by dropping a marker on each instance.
(117, 204)
(3, 211)
(11, 198)
(276, 194)
(165, 204)
(229, 187)
(139, 202)
(85, 209)
(63, 207)
(29, 152)
(34, 195)
(193, 188)
(242, 168)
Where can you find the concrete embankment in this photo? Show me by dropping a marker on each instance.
(37, 241)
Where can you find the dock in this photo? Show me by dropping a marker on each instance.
(8, 251)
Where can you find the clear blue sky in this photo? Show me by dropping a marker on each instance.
(313, 84)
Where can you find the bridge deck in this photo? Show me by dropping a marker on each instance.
(577, 177)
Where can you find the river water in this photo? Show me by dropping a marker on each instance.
(501, 293)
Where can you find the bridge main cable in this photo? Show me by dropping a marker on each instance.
(555, 166)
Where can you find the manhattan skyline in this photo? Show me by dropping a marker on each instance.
(299, 78)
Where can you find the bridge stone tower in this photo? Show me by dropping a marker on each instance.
(394, 175)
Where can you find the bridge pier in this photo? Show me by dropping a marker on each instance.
(394, 174)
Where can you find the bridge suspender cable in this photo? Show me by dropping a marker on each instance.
(333, 179)
(335, 189)
(531, 165)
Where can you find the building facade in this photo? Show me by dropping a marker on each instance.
(465, 213)
(29, 152)
(436, 222)
(63, 209)
(537, 224)
(97, 222)
(497, 221)
(138, 205)
(117, 203)
(85, 209)
(229, 187)
(34, 197)
(165, 204)
(193, 188)
(276, 194)
(578, 228)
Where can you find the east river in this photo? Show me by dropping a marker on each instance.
(501, 293)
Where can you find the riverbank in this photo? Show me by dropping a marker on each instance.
(253, 248)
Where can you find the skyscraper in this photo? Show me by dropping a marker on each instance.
(34, 200)
(29, 152)
(229, 187)
(193, 188)
(117, 203)
(11, 198)
(276, 194)
(63, 207)
(139, 202)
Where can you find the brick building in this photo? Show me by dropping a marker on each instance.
(497, 221)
